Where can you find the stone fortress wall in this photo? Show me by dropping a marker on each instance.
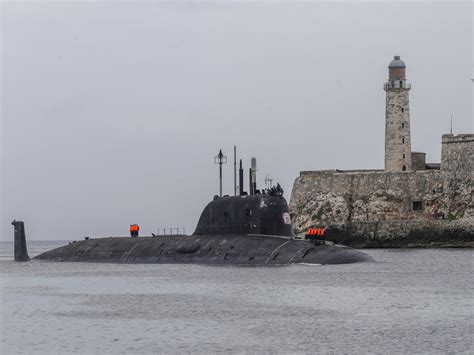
(387, 205)
(457, 155)
(325, 197)
(410, 203)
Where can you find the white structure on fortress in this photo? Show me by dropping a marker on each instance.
(398, 154)
(397, 119)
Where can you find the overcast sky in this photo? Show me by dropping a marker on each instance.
(112, 113)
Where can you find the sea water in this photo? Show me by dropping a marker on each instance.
(408, 301)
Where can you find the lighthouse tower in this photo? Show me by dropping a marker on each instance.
(397, 118)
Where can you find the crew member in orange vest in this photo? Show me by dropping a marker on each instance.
(134, 228)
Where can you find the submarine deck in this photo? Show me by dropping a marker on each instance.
(235, 249)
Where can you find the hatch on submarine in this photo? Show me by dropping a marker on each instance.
(245, 229)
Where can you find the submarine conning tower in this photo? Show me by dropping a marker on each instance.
(265, 214)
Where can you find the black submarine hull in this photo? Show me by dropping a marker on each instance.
(205, 249)
(236, 230)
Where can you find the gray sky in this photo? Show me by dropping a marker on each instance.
(112, 113)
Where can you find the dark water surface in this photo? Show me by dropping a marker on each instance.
(409, 301)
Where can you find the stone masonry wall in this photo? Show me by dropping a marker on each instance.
(457, 155)
(326, 197)
(365, 203)
(418, 161)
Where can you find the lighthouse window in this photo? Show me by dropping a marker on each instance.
(403, 156)
(403, 124)
(404, 168)
(403, 140)
(401, 83)
(417, 205)
(403, 110)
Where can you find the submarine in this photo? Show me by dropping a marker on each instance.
(244, 229)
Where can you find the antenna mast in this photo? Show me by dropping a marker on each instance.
(451, 130)
(268, 182)
(235, 170)
(220, 159)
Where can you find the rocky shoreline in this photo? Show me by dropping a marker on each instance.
(404, 234)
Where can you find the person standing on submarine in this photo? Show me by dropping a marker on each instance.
(134, 228)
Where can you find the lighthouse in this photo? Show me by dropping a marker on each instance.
(397, 118)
